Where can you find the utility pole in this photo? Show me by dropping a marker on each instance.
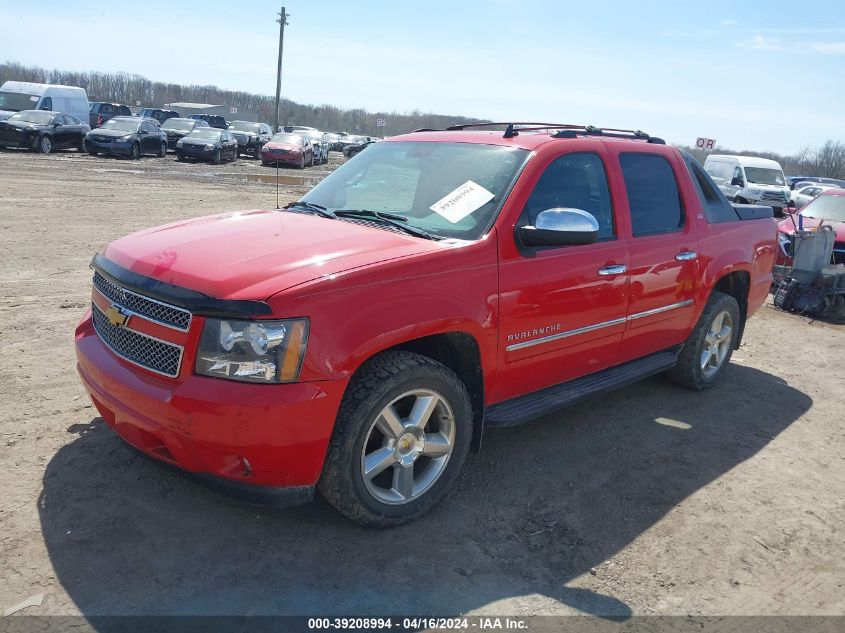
(283, 20)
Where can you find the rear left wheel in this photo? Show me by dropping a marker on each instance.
(709, 347)
(400, 440)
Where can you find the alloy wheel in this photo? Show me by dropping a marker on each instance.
(716, 344)
(408, 446)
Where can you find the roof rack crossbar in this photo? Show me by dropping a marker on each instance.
(565, 130)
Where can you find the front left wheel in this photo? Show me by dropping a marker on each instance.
(45, 145)
(400, 440)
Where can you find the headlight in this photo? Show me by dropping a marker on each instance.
(209, 147)
(179, 143)
(126, 138)
(252, 351)
(785, 243)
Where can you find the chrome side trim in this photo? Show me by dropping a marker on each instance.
(555, 337)
(596, 326)
(671, 306)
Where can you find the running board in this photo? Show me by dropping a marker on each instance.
(534, 405)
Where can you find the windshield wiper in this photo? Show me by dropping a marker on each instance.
(393, 219)
(314, 208)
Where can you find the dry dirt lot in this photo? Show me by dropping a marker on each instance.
(649, 500)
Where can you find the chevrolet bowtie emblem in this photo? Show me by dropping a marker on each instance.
(116, 316)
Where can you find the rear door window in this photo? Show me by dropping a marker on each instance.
(653, 196)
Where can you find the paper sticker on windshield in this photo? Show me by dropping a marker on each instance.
(33, 98)
(458, 204)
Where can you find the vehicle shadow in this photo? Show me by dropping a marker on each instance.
(540, 505)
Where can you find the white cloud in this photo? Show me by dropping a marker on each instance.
(729, 22)
(829, 48)
(761, 43)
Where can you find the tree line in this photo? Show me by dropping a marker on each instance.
(130, 89)
(827, 160)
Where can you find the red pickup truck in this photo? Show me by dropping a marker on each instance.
(436, 285)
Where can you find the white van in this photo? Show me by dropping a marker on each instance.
(23, 95)
(749, 180)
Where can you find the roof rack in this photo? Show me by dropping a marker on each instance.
(564, 130)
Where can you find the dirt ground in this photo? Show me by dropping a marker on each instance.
(650, 500)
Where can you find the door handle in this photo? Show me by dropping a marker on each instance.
(612, 270)
(686, 256)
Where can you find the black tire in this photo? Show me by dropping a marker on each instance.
(311, 164)
(180, 156)
(265, 163)
(379, 382)
(302, 162)
(688, 371)
(82, 147)
(92, 152)
(235, 157)
(740, 200)
(218, 156)
(257, 153)
(45, 145)
(134, 151)
(163, 150)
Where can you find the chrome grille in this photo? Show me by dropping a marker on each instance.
(146, 351)
(171, 316)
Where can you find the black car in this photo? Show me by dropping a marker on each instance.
(43, 131)
(179, 128)
(208, 143)
(159, 115)
(99, 112)
(351, 150)
(250, 136)
(212, 119)
(129, 136)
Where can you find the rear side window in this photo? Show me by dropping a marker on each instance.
(574, 181)
(714, 203)
(653, 196)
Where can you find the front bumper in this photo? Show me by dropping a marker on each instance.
(111, 147)
(200, 153)
(251, 437)
(19, 140)
(172, 140)
(288, 159)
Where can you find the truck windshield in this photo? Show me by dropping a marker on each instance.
(830, 207)
(448, 189)
(764, 176)
(16, 101)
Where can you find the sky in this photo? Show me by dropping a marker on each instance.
(758, 74)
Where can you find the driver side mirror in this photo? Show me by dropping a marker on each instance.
(738, 182)
(560, 227)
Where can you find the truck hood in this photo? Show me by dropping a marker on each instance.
(255, 254)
